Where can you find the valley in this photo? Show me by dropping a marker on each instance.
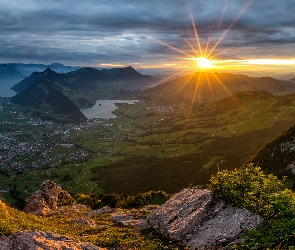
(147, 146)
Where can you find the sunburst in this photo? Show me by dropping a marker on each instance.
(204, 63)
(204, 58)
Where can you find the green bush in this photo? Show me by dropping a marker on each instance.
(65, 199)
(262, 194)
(250, 188)
(126, 201)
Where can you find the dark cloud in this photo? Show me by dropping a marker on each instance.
(116, 31)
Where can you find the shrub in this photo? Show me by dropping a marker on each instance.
(65, 199)
(250, 188)
(262, 194)
(126, 201)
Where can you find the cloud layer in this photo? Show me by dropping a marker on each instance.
(92, 32)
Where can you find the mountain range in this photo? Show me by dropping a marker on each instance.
(8, 72)
(85, 86)
(209, 87)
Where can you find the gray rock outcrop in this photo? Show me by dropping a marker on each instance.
(195, 218)
(33, 240)
(102, 210)
(127, 219)
(44, 200)
(86, 222)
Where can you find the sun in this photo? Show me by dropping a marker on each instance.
(204, 63)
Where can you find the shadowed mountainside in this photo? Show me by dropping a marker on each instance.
(277, 156)
(86, 85)
(49, 104)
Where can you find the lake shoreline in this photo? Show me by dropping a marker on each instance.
(104, 108)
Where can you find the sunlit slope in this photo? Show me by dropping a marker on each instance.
(181, 148)
(208, 87)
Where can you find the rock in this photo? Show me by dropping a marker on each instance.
(103, 210)
(121, 216)
(33, 240)
(141, 223)
(195, 218)
(45, 200)
(223, 229)
(148, 208)
(50, 192)
(85, 221)
(127, 219)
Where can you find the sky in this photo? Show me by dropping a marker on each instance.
(242, 35)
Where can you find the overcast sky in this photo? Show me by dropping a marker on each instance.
(124, 32)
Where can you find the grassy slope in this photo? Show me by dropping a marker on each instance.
(107, 234)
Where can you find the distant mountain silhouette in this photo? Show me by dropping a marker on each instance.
(9, 72)
(28, 69)
(86, 85)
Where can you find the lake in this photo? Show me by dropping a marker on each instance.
(5, 86)
(104, 108)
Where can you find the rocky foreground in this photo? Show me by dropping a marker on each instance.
(192, 217)
(34, 240)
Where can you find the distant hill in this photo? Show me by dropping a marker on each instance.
(210, 87)
(86, 85)
(50, 104)
(8, 72)
(28, 69)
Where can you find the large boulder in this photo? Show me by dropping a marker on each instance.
(195, 218)
(45, 200)
(33, 240)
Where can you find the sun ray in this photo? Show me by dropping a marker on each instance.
(235, 99)
(196, 32)
(212, 57)
(209, 84)
(222, 14)
(195, 92)
(247, 4)
(208, 42)
(186, 82)
(222, 84)
(189, 44)
(169, 77)
(167, 45)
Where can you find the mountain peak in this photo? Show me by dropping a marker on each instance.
(48, 70)
(129, 68)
